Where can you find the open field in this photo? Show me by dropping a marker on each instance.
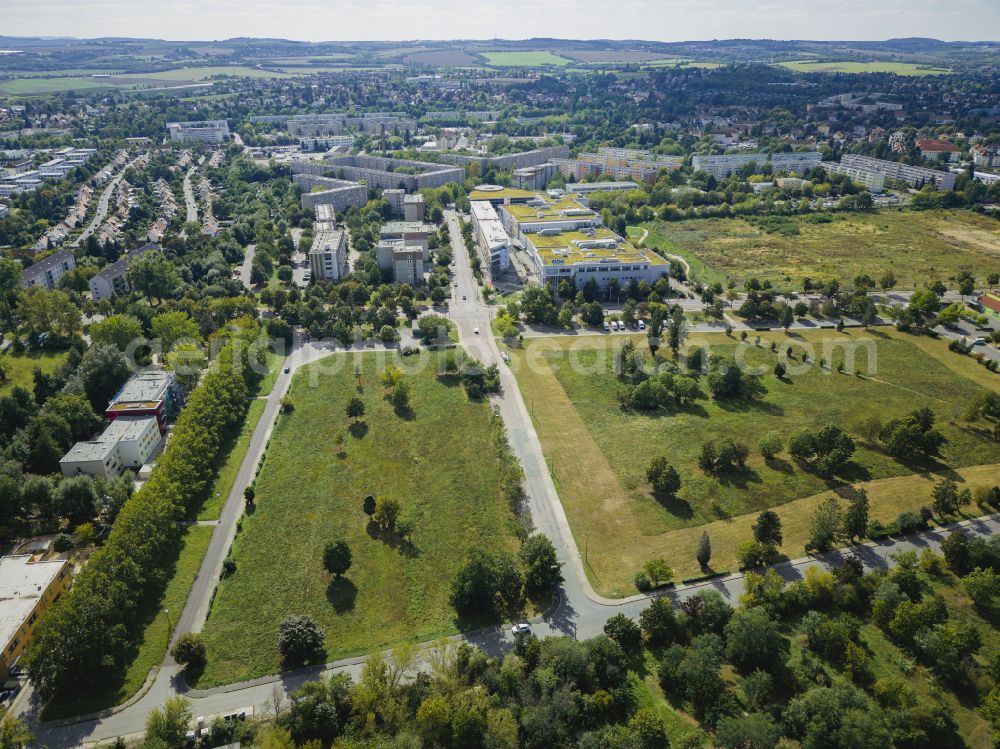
(527, 59)
(899, 68)
(598, 454)
(52, 83)
(317, 470)
(617, 56)
(917, 246)
(155, 636)
(20, 366)
(232, 454)
(443, 58)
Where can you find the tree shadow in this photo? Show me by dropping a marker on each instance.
(404, 412)
(676, 506)
(341, 594)
(358, 429)
(779, 464)
(738, 477)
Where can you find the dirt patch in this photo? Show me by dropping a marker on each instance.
(979, 238)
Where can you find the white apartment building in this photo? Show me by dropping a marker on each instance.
(204, 131)
(912, 175)
(113, 279)
(406, 261)
(874, 181)
(47, 271)
(328, 253)
(722, 166)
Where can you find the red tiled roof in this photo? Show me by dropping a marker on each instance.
(927, 144)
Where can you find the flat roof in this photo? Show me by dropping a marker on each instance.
(406, 227)
(599, 186)
(127, 428)
(22, 583)
(88, 452)
(586, 248)
(554, 209)
(147, 387)
(495, 192)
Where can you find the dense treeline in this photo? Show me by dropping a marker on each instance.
(86, 637)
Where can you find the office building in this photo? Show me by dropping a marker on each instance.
(127, 442)
(27, 589)
(47, 271)
(413, 207)
(582, 188)
(533, 177)
(915, 176)
(565, 239)
(722, 166)
(113, 279)
(490, 235)
(497, 195)
(412, 232)
(328, 252)
(203, 131)
(874, 181)
(148, 393)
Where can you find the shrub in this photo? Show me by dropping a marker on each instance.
(770, 445)
(643, 583)
(189, 650)
(63, 542)
(300, 640)
(910, 522)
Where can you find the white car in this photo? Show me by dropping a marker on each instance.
(476, 330)
(607, 325)
(642, 325)
(521, 629)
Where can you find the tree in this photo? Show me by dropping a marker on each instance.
(117, 330)
(676, 330)
(76, 411)
(658, 571)
(13, 733)
(433, 329)
(786, 317)
(625, 632)
(748, 731)
(102, 372)
(387, 512)
(767, 529)
(664, 478)
(856, 516)
(337, 557)
(825, 524)
(488, 581)
(754, 640)
(153, 276)
(658, 622)
(171, 327)
(542, 568)
(300, 639)
(188, 361)
(249, 494)
(955, 549)
(368, 505)
(189, 650)
(76, 498)
(355, 409)
(400, 397)
(49, 312)
(770, 445)
(704, 553)
(887, 280)
(170, 724)
(983, 587)
(945, 497)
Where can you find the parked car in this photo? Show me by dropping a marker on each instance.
(523, 628)
(642, 325)
(979, 342)
(476, 330)
(607, 325)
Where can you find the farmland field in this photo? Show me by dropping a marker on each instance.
(316, 472)
(616, 56)
(527, 59)
(917, 246)
(899, 68)
(443, 58)
(34, 85)
(598, 453)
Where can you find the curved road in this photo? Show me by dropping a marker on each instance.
(577, 611)
(103, 202)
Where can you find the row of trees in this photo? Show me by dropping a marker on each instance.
(87, 635)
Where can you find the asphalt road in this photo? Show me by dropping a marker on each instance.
(103, 202)
(189, 201)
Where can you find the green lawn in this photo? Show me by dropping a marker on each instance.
(231, 458)
(915, 245)
(20, 366)
(599, 454)
(274, 364)
(439, 461)
(153, 645)
(528, 59)
(899, 68)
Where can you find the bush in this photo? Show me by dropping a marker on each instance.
(63, 542)
(770, 445)
(910, 522)
(643, 583)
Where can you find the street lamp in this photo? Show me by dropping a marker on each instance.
(170, 627)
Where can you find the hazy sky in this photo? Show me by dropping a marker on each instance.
(666, 20)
